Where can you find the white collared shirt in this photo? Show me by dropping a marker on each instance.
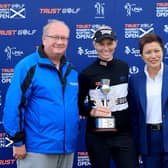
(154, 90)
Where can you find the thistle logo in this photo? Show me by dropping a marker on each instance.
(132, 8)
(80, 51)
(166, 28)
(87, 52)
(132, 51)
(99, 10)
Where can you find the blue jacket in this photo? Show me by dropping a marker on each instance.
(50, 114)
(138, 103)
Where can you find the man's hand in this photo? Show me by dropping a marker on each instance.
(19, 152)
(100, 112)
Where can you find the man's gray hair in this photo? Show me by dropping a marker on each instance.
(45, 28)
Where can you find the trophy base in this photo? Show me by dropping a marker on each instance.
(105, 124)
(104, 130)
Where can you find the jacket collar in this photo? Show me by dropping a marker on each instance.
(44, 58)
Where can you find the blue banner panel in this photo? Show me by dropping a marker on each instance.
(21, 25)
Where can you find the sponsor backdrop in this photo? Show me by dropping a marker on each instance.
(21, 25)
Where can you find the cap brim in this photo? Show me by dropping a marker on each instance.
(105, 37)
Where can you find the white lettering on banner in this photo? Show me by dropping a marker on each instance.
(87, 52)
(4, 14)
(5, 142)
(133, 51)
(83, 159)
(132, 8)
(137, 30)
(12, 51)
(6, 75)
(12, 11)
(85, 31)
(162, 9)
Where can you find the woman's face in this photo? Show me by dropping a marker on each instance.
(152, 55)
(105, 49)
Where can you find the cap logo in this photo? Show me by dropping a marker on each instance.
(105, 32)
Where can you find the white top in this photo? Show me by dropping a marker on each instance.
(154, 90)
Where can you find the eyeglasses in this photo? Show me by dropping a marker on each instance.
(57, 38)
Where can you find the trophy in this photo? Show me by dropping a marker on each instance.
(105, 89)
(101, 98)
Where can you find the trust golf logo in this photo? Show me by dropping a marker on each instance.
(6, 75)
(12, 11)
(85, 31)
(161, 9)
(53, 11)
(5, 142)
(137, 30)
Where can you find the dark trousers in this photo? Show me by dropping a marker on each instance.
(156, 157)
(102, 147)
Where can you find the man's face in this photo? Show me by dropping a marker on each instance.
(105, 49)
(55, 40)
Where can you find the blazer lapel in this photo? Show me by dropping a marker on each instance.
(164, 86)
(142, 92)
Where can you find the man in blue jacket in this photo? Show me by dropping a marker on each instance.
(41, 111)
